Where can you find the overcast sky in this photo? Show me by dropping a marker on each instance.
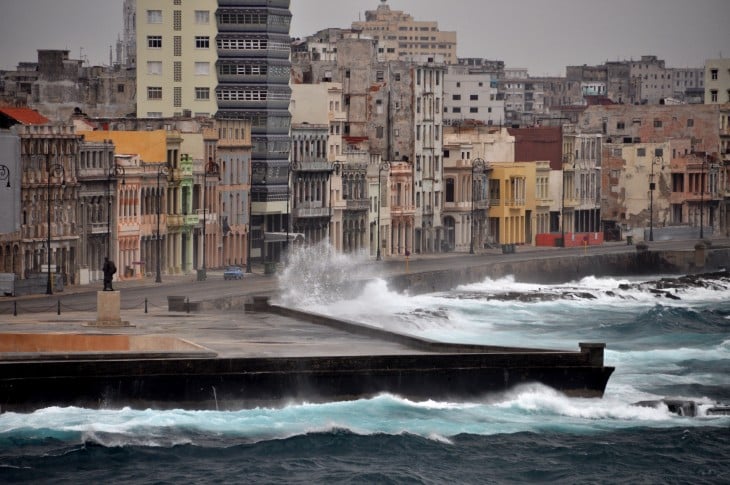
(541, 35)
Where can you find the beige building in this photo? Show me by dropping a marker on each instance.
(717, 81)
(399, 35)
(176, 58)
(466, 209)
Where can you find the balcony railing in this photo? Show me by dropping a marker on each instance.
(358, 204)
(310, 212)
(98, 227)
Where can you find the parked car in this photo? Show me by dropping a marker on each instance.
(233, 273)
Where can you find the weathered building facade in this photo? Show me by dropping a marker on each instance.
(58, 86)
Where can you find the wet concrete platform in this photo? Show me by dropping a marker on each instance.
(231, 334)
(268, 357)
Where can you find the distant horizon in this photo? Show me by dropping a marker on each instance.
(538, 36)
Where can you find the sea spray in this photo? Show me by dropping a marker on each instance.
(318, 275)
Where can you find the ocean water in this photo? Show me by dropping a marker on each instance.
(661, 347)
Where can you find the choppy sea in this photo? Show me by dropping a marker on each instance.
(661, 347)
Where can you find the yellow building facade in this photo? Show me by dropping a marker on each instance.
(176, 58)
(512, 203)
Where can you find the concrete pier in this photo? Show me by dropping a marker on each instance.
(271, 357)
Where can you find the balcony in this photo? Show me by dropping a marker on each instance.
(310, 212)
(254, 3)
(402, 210)
(358, 204)
(271, 100)
(97, 227)
(277, 20)
(270, 50)
(175, 220)
(481, 204)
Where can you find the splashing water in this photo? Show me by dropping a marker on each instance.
(660, 347)
(319, 275)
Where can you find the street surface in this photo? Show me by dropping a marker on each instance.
(134, 293)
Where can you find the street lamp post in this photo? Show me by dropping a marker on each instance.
(53, 170)
(115, 172)
(162, 170)
(250, 233)
(704, 185)
(211, 170)
(566, 158)
(290, 168)
(652, 187)
(476, 164)
(383, 166)
(336, 166)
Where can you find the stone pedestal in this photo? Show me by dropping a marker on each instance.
(108, 310)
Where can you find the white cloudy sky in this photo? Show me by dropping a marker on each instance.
(541, 35)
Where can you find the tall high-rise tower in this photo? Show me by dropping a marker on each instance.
(253, 67)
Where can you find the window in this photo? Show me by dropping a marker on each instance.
(620, 125)
(473, 110)
(177, 71)
(202, 94)
(202, 42)
(474, 97)
(713, 74)
(154, 41)
(154, 16)
(202, 68)
(657, 123)
(154, 92)
(202, 17)
(177, 96)
(456, 97)
(154, 68)
(713, 95)
(641, 152)
(154, 114)
(120, 88)
(177, 46)
(456, 110)
(177, 20)
(690, 123)
(658, 152)
(379, 76)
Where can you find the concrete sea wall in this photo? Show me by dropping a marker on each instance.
(555, 270)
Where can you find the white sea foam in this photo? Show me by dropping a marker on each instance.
(465, 314)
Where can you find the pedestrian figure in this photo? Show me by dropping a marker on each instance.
(109, 270)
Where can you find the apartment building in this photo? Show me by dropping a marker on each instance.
(399, 35)
(470, 93)
(48, 235)
(717, 81)
(175, 57)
